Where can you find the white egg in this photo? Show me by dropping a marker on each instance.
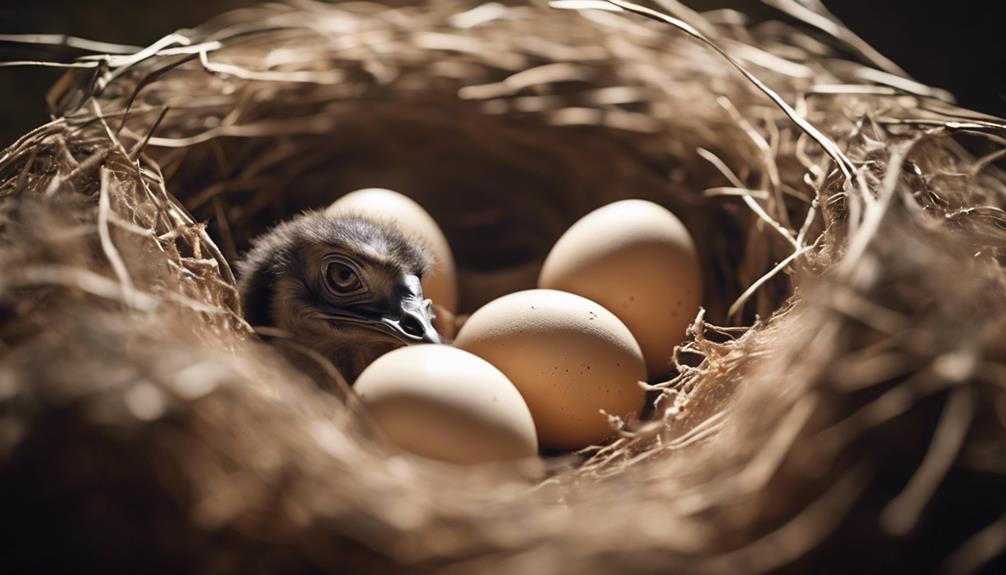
(636, 259)
(569, 357)
(444, 403)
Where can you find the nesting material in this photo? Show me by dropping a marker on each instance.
(842, 388)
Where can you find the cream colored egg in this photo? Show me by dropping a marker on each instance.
(636, 259)
(569, 357)
(444, 403)
(440, 284)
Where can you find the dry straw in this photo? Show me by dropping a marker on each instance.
(847, 409)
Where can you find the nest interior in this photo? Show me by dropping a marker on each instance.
(842, 387)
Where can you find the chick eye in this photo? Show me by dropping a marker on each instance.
(342, 278)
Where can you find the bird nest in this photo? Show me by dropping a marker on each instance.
(839, 402)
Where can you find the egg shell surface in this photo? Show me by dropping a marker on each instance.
(636, 259)
(447, 404)
(568, 356)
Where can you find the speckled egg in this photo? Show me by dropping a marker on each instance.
(568, 356)
(636, 259)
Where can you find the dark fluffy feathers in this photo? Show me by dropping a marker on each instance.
(277, 251)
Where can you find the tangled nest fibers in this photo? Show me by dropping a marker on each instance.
(839, 405)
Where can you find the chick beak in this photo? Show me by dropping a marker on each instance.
(414, 321)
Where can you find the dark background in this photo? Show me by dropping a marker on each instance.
(952, 44)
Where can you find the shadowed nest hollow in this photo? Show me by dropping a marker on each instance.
(839, 404)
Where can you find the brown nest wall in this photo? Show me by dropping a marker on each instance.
(839, 404)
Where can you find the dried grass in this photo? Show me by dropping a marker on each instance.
(840, 401)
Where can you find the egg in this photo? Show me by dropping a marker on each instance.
(444, 403)
(636, 259)
(440, 283)
(568, 356)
